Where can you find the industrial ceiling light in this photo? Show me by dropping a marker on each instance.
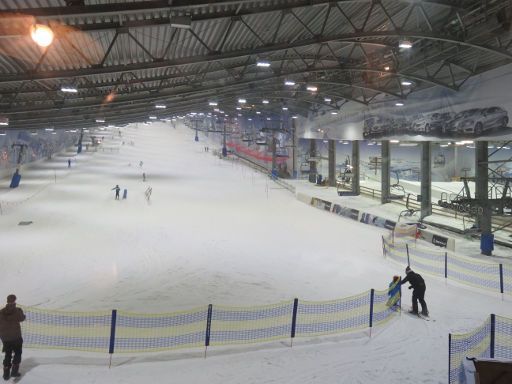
(4, 120)
(405, 44)
(152, 117)
(183, 22)
(258, 112)
(238, 108)
(387, 68)
(327, 99)
(213, 103)
(249, 119)
(285, 108)
(100, 120)
(242, 101)
(48, 129)
(265, 101)
(294, 117)
(69, 88)
(263, 63)
(394, 141)
(268, 118)
(160, 106)
(399, 104)
(289, 82)
(42, 35)
(334, 113)
(312, 88)
(406, 82)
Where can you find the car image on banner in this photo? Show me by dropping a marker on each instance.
(477, 120)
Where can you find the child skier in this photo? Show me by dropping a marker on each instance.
(394, 294)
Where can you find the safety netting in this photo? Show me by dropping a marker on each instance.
(85, 331)
(135, 332)
(231, 325)
(492, 340)
(333, 316)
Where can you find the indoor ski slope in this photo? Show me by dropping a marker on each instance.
(214, 232)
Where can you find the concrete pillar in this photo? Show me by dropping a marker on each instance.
(294, 152)
(312, 153)
(484, 220)
(426, 179)
(385, 172)
(332, 163)
(273, 148)
(355, 167)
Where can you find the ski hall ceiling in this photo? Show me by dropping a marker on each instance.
(124, 58)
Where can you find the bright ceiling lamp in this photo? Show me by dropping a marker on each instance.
(294, 117)
(312, 88)
(327, 99)
(263, 63)
(69, 88)
(334, 113)
(242, 101)
(406, 82)
(238, 108)
(100, 120)
(387, 68)
(48, 129)
(265, 101)
(4, 120)
(399, 104)
(42, 35)
(160, 106)
(258, 112)
(394, 141)
(405, 44)
(152, 117)
(289, 82)
(213, 103)
(285, 108)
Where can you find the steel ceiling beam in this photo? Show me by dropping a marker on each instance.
(263, 49)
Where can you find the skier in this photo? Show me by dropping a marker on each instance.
(117, 189)
(10, 333)
(143, 176)
(394, 293)
(418, 293)
(69, 163)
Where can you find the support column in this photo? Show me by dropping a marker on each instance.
(355, 167)
(312, 153)
(484, 220)
(426, 179)
(224, 147)
(294, 152)
(274, 151)
(332, 163)
(385, 173)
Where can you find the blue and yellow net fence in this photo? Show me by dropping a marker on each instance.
(486, 275)
(213, 325)
(493, 339)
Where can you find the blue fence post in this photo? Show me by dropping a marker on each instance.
(449, 358)
(372, 295)
(446, 265)
(112, 335)
(493, 334)
(501, 280)
(294, 319)
(208, 328)
(408, 260)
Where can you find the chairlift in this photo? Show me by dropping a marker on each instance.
(396, 191)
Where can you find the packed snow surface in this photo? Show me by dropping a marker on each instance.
(215, 232)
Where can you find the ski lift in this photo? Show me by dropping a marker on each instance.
(396, 191)
(408, 212)
(439, 161)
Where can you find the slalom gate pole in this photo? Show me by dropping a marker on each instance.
(372, 295)
(208, 328)
(112, 336)
(294, 320)
(501, 281)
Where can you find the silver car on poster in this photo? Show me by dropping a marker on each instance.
(434, 122)
(376, 125)
(477, 120)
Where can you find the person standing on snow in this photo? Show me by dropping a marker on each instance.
(10, 333)
(418, 293)
(117, 189)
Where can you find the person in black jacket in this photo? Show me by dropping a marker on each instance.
(418, 293)
(10, 333)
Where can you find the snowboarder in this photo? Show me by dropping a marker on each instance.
(418, 293)
(69, 163)
(394, 293)
(10, 333)
(117, 189)
(143, 176)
